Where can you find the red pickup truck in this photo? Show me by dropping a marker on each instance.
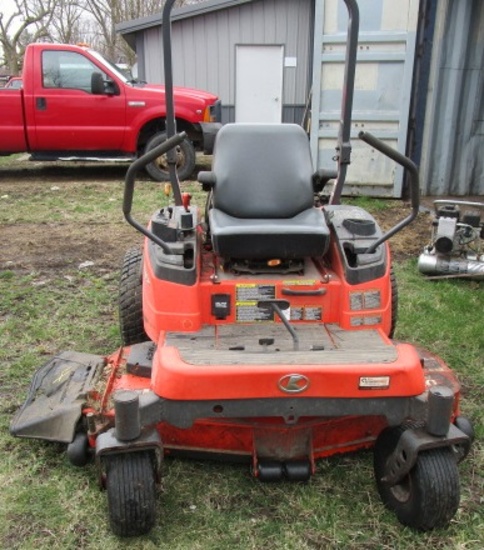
(75, 105)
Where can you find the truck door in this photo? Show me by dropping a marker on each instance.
(67, 115)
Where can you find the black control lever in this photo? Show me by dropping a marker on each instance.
(278, 306)
(412, 169)
(129, 182)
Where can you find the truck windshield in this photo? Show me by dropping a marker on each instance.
(111, 66)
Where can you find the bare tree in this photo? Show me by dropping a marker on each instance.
(108, 13)
(28, 23)
(70, 21)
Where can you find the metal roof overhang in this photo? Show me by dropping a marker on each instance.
(128, 29)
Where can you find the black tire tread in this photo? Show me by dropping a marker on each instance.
(131, 492)
(434, 492)
(184, 172)
(440, 488)
(394, 291)
(131, 299)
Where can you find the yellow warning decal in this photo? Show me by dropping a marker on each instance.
(253, 292)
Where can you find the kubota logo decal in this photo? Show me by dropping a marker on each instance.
(293, 383)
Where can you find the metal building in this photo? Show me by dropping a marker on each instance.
(419, 81)
(245, 51)
(451, 156)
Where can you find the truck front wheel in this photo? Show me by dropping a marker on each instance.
(185, 159)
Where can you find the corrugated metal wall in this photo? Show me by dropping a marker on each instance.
(452, 161)
(204, 49)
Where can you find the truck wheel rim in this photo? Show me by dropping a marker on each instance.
(162, 161)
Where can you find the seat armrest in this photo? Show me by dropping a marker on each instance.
(321, 177)
(207, 179)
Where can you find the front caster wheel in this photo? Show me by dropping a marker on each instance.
(131, 491)
(428, 496)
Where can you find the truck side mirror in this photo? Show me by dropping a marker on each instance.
(111, 88)
(97, 84)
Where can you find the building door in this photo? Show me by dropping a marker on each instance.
(258, 83)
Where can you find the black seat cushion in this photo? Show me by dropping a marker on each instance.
(257, 239)
(263, 194)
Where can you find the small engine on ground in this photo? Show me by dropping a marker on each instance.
(456, 248)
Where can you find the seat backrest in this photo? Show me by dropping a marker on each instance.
(262, 171)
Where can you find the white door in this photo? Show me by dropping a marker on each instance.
(258, 83)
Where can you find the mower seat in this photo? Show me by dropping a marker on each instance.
(263, 197)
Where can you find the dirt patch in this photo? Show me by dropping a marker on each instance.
(53, 246)
(46, 246)
(409, 242)
(42, 247)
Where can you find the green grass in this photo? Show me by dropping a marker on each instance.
(368, 203)
(46, 503)
(78, 201)
(7, 161)
(446, 317)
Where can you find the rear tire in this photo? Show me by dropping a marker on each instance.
(394, 291)
(131, 492)
(185, 163)
(131, 299)
(428, 497)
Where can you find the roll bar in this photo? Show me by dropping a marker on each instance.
(170, 103)
(343, 149)
(167, 147)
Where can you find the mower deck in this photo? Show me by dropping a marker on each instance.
(378, 373)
